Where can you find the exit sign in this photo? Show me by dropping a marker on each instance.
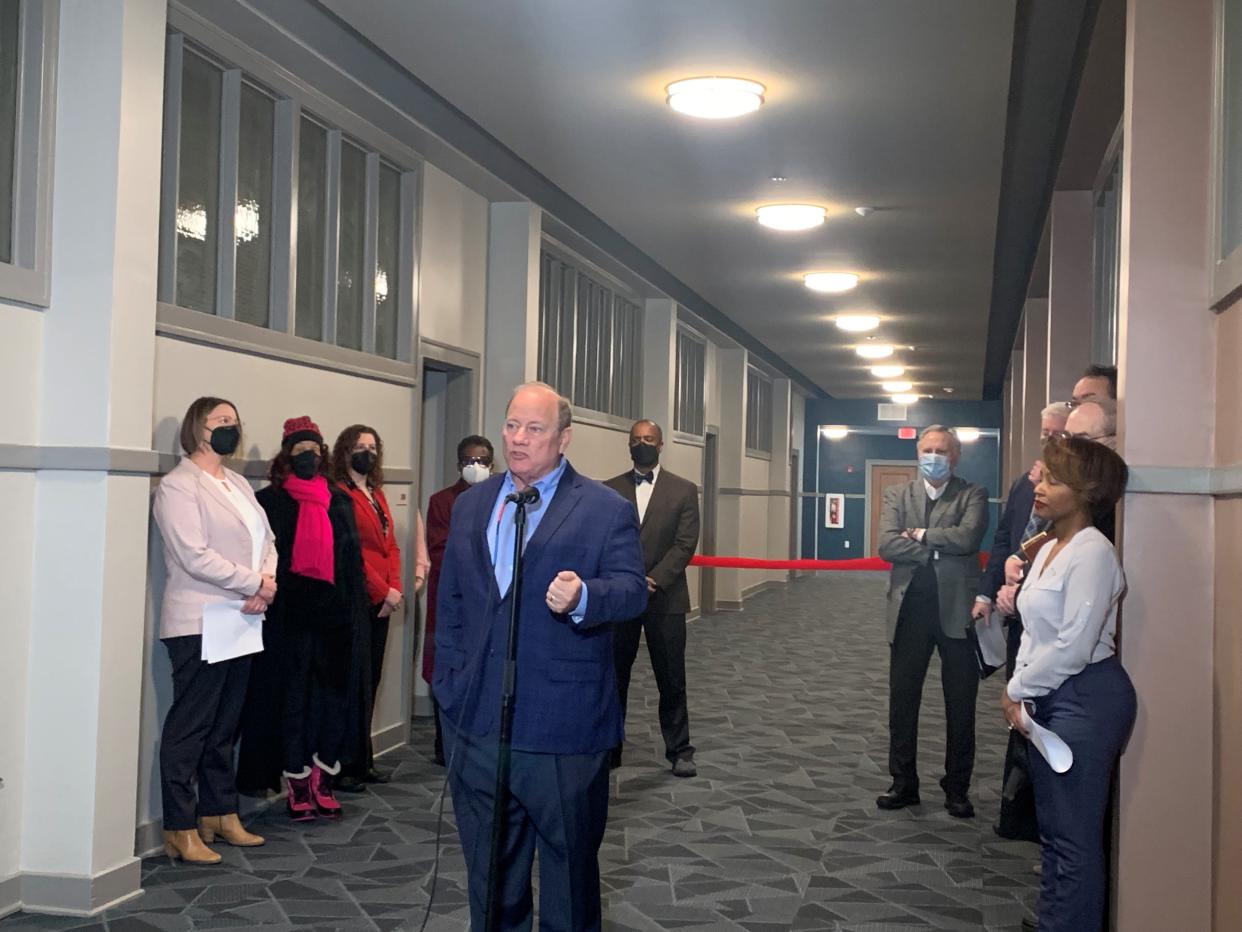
(906, 433)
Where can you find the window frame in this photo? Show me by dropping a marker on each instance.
(293, 100)
(763, 424)
(1106, 292)
(1226, 281)
(27, 278)
(700, 415)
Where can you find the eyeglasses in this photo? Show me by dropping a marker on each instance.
(479, 460)
(1066, 435)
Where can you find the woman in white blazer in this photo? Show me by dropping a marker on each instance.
(218, 547)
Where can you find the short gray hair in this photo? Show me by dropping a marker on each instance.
(1059, 409)
(954, 443)
(564, 412)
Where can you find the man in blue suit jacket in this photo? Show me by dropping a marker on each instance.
(582, 570)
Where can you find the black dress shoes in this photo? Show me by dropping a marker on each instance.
(959, 807)
(898, 799)
(348, 783)
(375, 776)
(614, 759)
(1029, 924)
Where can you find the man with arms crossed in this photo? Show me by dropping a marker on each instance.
(930, 530)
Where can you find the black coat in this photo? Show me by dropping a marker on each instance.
(337, 613)
(669, 534)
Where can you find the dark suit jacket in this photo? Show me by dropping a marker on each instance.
(566, 700)
(669, 535)
(959, 520)
(439, 513)
(1008, 535)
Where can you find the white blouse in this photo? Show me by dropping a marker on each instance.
(254, 523)
(1069, 613)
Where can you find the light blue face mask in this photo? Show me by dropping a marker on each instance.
(934, 467)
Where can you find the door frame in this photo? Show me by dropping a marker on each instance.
(867, 464)
(711, 502)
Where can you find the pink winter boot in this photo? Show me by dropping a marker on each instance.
(321, 789)
(301, 799)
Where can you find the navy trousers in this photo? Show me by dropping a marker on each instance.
(1093, 712)
(558, 806)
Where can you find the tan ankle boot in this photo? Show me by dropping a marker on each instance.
(229, 828)
(187, 846)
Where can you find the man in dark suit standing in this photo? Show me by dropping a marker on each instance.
(582, 570)
(930, 530)
(668, 514)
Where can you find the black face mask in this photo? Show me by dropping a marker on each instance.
(644, 455)
(363, 462)
(306, 464)
(224, 440)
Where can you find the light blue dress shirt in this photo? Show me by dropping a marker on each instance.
(502, 528)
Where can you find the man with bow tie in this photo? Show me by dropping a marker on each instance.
(668, 514)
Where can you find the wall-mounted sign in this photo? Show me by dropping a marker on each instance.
(907, 433)
(834, 510)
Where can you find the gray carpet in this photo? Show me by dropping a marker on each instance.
(779, 831)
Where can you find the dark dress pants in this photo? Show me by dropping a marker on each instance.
(666, 644)
(918, 634)
(199, 732)
(1093, 712)
(1017, 808)
(558, 807)
(316, 698)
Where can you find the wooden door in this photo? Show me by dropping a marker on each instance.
(883, 477)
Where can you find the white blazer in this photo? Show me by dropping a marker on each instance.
(207, 546)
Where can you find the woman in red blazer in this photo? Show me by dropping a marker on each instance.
(358, 466)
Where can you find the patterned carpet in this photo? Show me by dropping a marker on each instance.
(779, 831)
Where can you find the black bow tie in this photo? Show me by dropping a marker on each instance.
(641, 477)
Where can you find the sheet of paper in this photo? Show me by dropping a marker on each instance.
(228, 633)
(1055, 751)
(992, 642)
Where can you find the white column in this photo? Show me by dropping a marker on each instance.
(1071, 291)
(659, 362)
(86, 647)
(731, 385)
(512, 342)
(778, 477)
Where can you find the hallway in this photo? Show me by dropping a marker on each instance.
(779, 831)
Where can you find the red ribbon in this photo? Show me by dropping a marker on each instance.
(751, 563)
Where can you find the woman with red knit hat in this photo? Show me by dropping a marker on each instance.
(297, 705)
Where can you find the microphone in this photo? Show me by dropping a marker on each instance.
(528, 496)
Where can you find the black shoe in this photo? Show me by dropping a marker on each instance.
(348, 783)
(1029, 924)
(898, 799)
(684, 767)
(614, 759)
(375, 776)
(439, 758)
(959, 807)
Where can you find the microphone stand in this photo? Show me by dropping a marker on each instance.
(507, 694)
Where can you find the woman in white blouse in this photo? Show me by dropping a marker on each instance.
(218, 547)
(1070, 679)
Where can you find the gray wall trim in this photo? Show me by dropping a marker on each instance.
(1186, 480)
(751, 591)
(123, 461)
(767, 493)
(10, 895)
(423, 706)
(728, 605)
(817, 495)
(448, 353)
(80, 895)
(390, 738)
(149, 838)
(689, 440)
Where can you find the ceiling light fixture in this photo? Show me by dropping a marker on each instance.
(874, 350)
(835, 433)
(888, 372)
(715, 98)
(948, 390)
(905, 399)
(894, 388)
(967, 434)
(857, 323)
(831, 282)
(788, 217)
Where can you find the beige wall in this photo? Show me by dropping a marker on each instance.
(452, 284)
(1227, 648)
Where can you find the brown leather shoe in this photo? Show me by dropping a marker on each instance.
(229, 828)
(186, 846)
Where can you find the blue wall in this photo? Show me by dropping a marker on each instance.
(842, 464)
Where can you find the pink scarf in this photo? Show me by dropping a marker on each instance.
(312, 539)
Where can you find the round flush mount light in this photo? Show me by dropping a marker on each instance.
(835, 433)
(715, 98)
(790, 217)
(888, 372)
(857, 323)
(874, 350)
(831, 282)
(905, 399)
(967, 434)
(896, 388)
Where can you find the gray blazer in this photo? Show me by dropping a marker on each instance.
(959, 520)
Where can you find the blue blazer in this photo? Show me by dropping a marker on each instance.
(566, 691)
(1008, 535)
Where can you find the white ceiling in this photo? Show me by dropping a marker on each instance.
(896, 104)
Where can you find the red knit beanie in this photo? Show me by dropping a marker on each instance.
(298, 429)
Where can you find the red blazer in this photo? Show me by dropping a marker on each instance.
(439, 512)
(381, 555)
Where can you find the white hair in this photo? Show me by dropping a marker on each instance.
(564, 412)
(954, 443)
(1059, 409)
